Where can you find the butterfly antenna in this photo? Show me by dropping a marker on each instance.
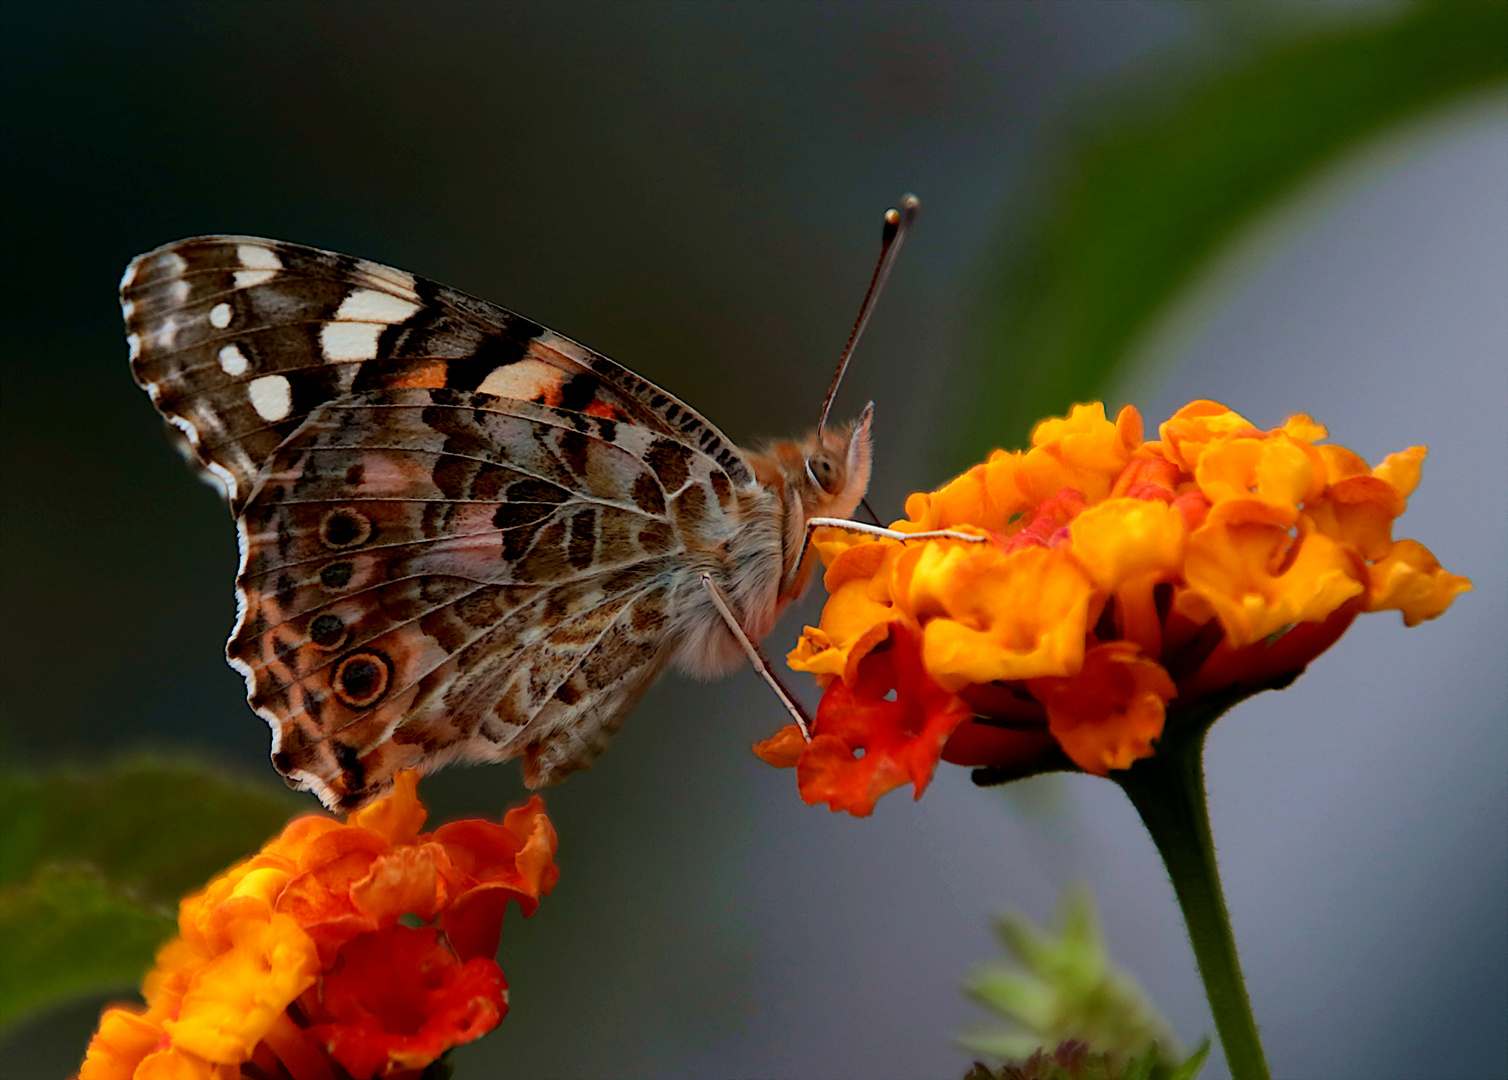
(864, 502)
(897, 225)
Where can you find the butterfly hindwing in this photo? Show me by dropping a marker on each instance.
(429, 574)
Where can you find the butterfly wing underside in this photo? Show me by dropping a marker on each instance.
(462, 535)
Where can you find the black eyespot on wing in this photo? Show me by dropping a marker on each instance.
(344, 527)
(328, 631)
(336, 575)
(361, 679)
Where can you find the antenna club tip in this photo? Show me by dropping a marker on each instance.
(910, 204)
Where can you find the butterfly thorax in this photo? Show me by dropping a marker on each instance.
(759, 562)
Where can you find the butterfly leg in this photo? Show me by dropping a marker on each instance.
(757, 657)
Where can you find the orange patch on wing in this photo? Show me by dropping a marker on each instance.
(606, 411)
(429, 377)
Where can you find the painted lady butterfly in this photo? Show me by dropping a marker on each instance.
(462, 535)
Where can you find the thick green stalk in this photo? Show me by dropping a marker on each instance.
(1168, 792)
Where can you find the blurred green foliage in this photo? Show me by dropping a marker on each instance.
(1144, 197)
(1073, 1061)
(93, 863)
(67, 933)
(1063, 986)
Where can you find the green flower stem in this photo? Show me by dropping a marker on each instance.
(1168, 792)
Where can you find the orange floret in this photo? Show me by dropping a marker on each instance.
(885, 730)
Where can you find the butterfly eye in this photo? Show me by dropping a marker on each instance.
(824, 470)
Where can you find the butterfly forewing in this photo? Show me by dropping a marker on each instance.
(462, 534)
(238, 339)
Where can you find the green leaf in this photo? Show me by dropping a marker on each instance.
(1190, 1068)
(93, 864)
(153, 829)
(1141, 201)
(66, 934)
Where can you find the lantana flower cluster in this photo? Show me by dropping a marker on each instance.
(360, 949)
(1117, 579)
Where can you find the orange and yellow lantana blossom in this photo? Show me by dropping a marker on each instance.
(1119, 582)
(304, 962)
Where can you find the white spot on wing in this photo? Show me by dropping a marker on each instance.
(350, 340)
(180, 291)
(369, 305)
(233, 361)
(247, 278)
(219, 316)
(271, 396)
(523, 380)
(256, 257)
(134, 344)
(129, 276)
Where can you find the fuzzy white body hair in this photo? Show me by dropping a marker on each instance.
(749, 574)
(762, 562)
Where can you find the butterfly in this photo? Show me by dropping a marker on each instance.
(462, 535)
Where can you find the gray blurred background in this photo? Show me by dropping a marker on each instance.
(695, 191)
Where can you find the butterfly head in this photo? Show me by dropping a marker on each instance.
(836, 467)
(824, 474)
